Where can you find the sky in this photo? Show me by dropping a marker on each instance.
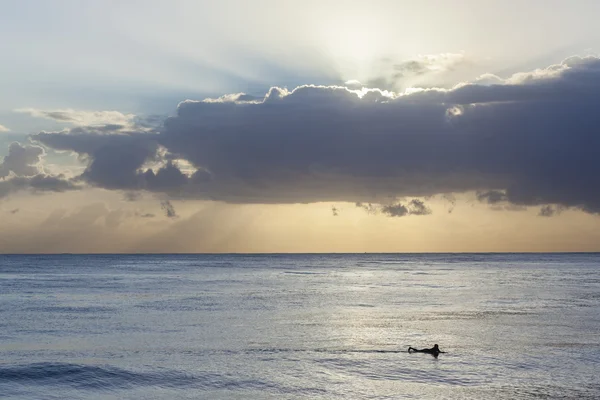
(299, 126)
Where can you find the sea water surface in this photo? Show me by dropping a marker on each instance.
(299, 326)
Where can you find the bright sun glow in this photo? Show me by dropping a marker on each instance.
(356, 44)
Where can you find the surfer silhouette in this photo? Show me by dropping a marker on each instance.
(434, 351)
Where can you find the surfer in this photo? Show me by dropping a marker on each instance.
(434, 351)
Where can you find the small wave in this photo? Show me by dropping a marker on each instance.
(89, 376)
(550, 391)
(304, 273)
(71, 309)
(327, 351)
(93, 377)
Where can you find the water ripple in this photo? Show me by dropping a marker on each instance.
(94, 377)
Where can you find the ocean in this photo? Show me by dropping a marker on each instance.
(514, 326)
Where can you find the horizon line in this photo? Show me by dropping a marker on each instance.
(299, 253)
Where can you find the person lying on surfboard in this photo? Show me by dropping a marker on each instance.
(435, 350)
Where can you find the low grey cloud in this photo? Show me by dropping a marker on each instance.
(368, 207)
(168, 208)
(418, 207)
(395, 210)
(37, 184)
(498, 201)
(550, 210)
(21, 160)
(451, 199)
(132, 196)
(114, 160)
(529, 140)
(21, 170)
(492, 196)
(507, 207)
(335, 211)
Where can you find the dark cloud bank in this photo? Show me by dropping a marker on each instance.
(20, 170)
(531, 140)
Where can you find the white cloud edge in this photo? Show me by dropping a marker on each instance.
(80, 117)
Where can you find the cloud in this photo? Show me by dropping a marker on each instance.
(550, 210)
(405, 73)
(368, 207)
(168, 208)
(492, 196)
(413, 207)
(37, 184)
(529, 140)
(395, 210)
(21, 160)
(418, 207)
(82, 118)
(451, 199)
(132, 196)
(114, 160)
(430, 63)
(335, 211)
(21, 170)
(4, 129)
(489, 79)
(353, 84)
